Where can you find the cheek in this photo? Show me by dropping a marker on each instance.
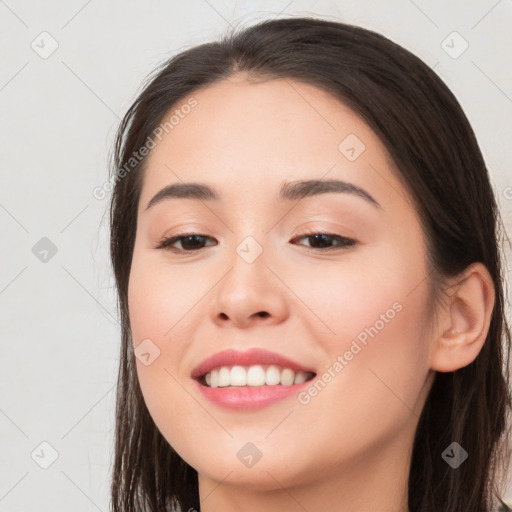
(373, 384)
(385, 358)
(158, 302)
(160, 297)
(370, 312)
(360, 294)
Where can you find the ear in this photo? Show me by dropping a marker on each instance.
(464, 323)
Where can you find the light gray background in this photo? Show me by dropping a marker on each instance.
(58, 319)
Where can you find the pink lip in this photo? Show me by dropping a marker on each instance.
(231, 357)
(247, 397)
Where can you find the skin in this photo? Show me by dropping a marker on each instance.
(349, 448)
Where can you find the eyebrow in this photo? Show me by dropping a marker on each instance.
(289, 191)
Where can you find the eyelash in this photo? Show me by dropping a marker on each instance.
(345, 242)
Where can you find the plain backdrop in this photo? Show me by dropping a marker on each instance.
(69, 71)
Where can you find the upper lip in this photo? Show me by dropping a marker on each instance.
(232, 357)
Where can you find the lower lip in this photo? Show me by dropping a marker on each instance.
(247, 397)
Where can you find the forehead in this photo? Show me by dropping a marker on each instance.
(247, 138)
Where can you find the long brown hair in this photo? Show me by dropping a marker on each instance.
(439, 161)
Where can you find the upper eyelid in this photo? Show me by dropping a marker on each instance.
(168, 241)
(302, 234)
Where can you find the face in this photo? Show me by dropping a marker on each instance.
(326, 282)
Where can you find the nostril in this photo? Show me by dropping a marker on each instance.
(263, 314)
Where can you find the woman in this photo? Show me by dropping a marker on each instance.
(305, 244)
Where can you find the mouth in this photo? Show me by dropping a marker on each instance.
(253, 376)
(250, 380)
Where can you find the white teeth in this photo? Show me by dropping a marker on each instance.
(238, 376)
(287, 377)
(300, 377)
(255, 375)
(272, 376)
(224, 378)
(214, 378)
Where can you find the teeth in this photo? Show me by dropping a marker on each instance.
(238, 376)
(224, 378)
(272, 376)
(214, 378)
(300, 377)
(253, 376)
(287, 377)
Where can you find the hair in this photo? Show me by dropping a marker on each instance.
(437, 157)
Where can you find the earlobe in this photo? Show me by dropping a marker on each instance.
(465, 322)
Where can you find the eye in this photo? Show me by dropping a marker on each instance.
(323, 241)
(191, 242)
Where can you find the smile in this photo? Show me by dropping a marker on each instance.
(250, 380)
(253, 376)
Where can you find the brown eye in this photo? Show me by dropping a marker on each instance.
(324, 241)
(189, 242)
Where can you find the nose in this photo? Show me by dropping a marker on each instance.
(249, 294)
